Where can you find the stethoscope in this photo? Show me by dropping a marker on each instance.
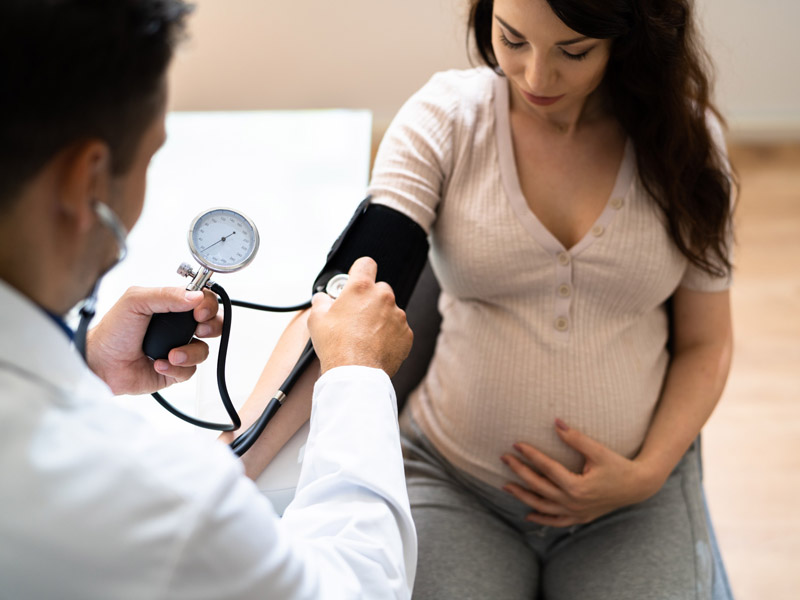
(221, 240)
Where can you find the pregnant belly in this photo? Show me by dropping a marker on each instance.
(474, 413)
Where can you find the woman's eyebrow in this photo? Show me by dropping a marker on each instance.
(516, 33)
(511, 30)
(573, 41)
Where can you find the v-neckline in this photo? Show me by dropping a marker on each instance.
(510, 178)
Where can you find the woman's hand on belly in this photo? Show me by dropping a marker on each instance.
(561, 498)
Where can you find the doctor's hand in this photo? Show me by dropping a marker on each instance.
(561, 498)
(114, 346)
(363, 326)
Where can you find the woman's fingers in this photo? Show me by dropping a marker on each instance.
(535, 482)
(553, 470)
(535, 501)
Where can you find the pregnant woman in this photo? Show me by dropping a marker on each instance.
(578, 200)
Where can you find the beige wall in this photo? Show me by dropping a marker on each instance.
(265, 54)
(754, 45)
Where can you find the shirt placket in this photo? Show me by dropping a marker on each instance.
(563, 295)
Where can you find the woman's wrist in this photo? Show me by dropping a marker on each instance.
(652, 473)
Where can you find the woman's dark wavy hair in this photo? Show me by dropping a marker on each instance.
(659, 83)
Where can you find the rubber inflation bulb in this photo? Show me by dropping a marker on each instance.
(167, 331)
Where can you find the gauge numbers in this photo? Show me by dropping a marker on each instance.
(223, 240)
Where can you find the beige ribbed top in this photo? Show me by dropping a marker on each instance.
(531, 330)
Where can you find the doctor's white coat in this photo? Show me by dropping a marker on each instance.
(95, 504)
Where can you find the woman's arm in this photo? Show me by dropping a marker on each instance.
(702, 347)
(295, 410)
(703, 342)
(410, 168)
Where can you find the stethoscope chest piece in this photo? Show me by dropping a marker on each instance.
(336, 284)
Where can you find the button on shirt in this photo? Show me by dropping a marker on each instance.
(96, 504)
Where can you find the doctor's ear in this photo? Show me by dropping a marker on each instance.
(86, 178)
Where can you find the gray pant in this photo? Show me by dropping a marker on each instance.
(474, 543)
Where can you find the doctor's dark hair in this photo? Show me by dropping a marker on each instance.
(73, 70)
(658, 81)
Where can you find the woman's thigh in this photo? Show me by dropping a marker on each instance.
(658, 549)
(465, 551)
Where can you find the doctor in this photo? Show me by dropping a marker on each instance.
(93, 503)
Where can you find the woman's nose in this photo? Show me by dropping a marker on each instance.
(538, 75)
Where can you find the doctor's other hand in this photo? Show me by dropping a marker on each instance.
(114, 346)
(364, 326)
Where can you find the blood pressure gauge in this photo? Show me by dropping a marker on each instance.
(222, 240)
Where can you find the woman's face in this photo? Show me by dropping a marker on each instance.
(552, 69)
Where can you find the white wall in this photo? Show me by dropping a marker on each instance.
(264, 54)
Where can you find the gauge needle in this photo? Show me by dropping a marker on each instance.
(222, 239)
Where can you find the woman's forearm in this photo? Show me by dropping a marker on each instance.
(296, 409)
(692, 388)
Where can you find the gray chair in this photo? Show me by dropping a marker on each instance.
(425, 320)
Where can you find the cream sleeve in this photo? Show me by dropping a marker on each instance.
(416, 155)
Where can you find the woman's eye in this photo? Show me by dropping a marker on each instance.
(507, 42)
(571, 56)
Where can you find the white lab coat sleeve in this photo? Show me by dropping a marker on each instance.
(351, 513)
(347, 534)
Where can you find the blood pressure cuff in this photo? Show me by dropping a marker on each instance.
(394, 241)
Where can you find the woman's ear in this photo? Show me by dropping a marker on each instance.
(86, 178)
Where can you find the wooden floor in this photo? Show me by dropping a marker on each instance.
(752, 442)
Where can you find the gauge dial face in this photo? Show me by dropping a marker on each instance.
(223, 240)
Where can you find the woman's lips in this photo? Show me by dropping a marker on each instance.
(541, 100)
